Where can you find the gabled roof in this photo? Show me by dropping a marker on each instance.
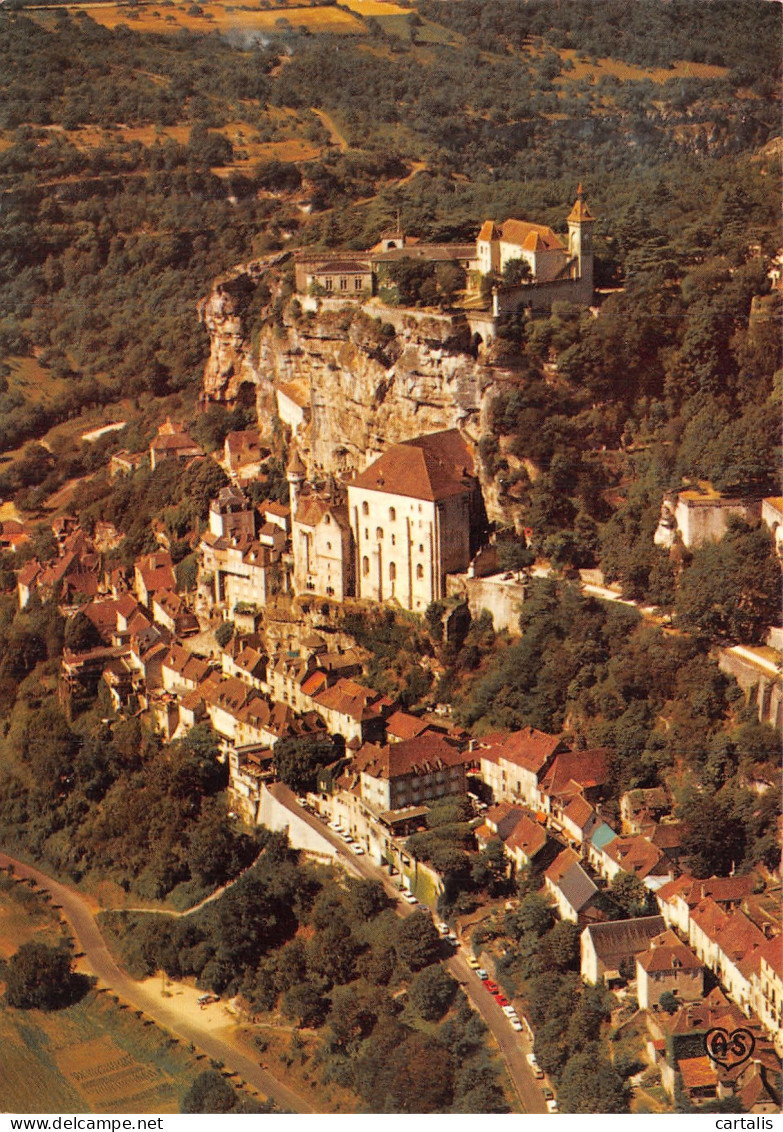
(405, 726)
(697, 1072)
(709, 917)
(519, 231)
(666, 953)
(588, 768)
(527, 748)
(432, 467)
(489, 231)
(352, 699)
(567, 874)
(634, 855)
(422, 755)
(527, 836)
(618, 939)
(580, 812)
(738, 937)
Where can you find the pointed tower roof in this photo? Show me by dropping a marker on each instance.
(580, 212)
(295, 464)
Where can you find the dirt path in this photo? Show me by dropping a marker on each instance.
(174, 1013)
(336, 137)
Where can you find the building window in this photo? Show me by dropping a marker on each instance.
(419, 572)
(357, 283)
(379, 533)
(365, 508)
(392, 514)
(328, 284)
(392, 572)
(327, 518)
(365, 566)
(393, 540)
(343, 284)
(366, 532)
(328, 546)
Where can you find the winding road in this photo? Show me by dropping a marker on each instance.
(100, 963)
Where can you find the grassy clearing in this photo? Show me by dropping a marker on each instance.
(36, 384)
(25, 916)
(224, 17)
(288, 1054)
(375, 8)
(628, 72)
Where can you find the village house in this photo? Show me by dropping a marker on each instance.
(767, 989)
(353, 711)
(125, 463)
(172, 443)
(512, 763)
(152, 573)
(607, 950)
(231, 513)
(701, 514)
(641, 810)
(321, 540)
(634, 855)
(293, 405)
(171, 610)
(243, 453)
(182, 671)
(570, 887)
(667, 966)
(410, 772)
(678, 897)
(239, 570)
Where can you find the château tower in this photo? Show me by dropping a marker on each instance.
(580, 240)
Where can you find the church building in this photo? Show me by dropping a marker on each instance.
(416, 515)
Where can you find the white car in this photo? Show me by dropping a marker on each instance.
(301, 801)
(443, 929)
(409, 898)
(482, 974)
(509, 1011)
(346, 837)
(551, 1106)
(357, 849)
(516, 1025)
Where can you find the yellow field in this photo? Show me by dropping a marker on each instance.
(631, 73)
(224, 17)
(91, 1057)
(375, 8)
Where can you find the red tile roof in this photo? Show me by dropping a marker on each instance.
(422, 755)
(528, 748)
(697, 1072)
(433, 467)
(588, 768)
(520, 231)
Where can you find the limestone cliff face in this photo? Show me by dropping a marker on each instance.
(375, 376)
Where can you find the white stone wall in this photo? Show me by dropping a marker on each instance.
(396, 548)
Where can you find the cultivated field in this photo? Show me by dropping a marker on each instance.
(92, 1057)
(223, 17)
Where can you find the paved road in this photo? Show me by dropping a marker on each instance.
(513, 1045)
(100, 963)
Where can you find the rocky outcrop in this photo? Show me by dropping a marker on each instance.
(375, 375)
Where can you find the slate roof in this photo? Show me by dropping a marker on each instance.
(567, 874)
(616, 940)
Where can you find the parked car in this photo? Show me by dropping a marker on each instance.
(548, 1094)
(551, 1106)
(482, 974)
(443, 929)
(357, 849)
(302, 801)
(346, 837)
(473, 962)
(501, 1000)
(493, 988)
(509, 1011)
(516, 1025)
(409, 898)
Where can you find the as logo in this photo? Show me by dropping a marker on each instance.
(729, 1049)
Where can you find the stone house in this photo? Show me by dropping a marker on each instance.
(512, 763)
(606, 947)
(410, 772)
(667, 966)
(172, 443)
(231, 513)
(151, 573)
(570, 887)
(700, 515)
(322, 549)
